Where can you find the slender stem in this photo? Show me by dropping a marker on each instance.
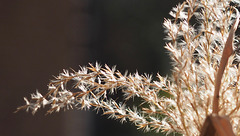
(227, 52)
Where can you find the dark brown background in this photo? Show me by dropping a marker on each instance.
(39, 38)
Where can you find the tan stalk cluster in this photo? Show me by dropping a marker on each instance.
(196, 36)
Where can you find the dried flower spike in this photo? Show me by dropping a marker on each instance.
(199, 41)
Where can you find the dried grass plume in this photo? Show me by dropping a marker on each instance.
(196, 36)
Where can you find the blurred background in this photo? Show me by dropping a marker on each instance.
(39, 38)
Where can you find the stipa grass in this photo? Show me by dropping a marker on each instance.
(196, 36)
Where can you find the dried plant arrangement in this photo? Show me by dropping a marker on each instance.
(202, 89)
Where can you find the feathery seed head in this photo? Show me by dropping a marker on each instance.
(196, 37)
